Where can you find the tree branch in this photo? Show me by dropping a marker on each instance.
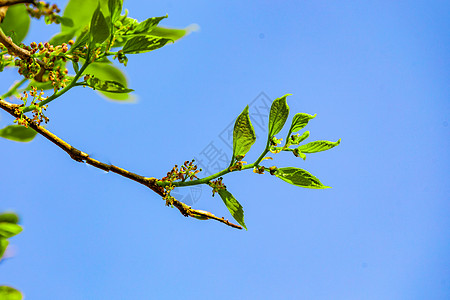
(13, 2)
(81, 156)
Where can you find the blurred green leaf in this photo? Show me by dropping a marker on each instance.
(145, 27)
(107, 85)
(299, 177)
(62, 37)
(107, 72)
(17, 133)
(8, 230)
(8, 293)
(172, 33)
(3, 245)
(141, 44)
(243, 134)
(16, 23)
(9, 218)
(115, 8)
(279, 112)
(233, 206)
(318, 146)
(299, 121)
(80, 12)
(99, 29)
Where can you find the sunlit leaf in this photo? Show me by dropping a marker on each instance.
(115, 8)
(279, 112)
(99, 30)
(17, 133)
(8, 230)
(109, 72)
(318, 146)
(243, 134)
(299, 121)
(80, 12)
(9, 293)
(233, 206)
(3, 245)
(16, 23)
(299, 177)
(141, 44)
(9, 218)
(145, 27)
(107, 85)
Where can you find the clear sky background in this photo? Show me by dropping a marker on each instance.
(377, 75)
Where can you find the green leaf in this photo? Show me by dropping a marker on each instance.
(99, 30)
(8, 293)
(62, 37)
(82, 39)
(299, 177)
(8, 230)
(109, 72)
(243, 134)
(3, 245)
(297, 139)
(173, 33)
(279, 112)
(80, 12)
(233, 206)
(107, 85)
(299, 121)
(318, 146)
(115, 8)
(141, 44)
(16, 23)
(18, 133)
(145, 27)
(9, 218)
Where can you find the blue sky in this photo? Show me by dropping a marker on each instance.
(377, 75)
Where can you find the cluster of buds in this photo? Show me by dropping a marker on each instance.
(261, 169)
(20, 119)
(123, 59)
(28, 68)
(167, 197)
(217, 185)
(38, 111)
(50, 12)
(187, 171)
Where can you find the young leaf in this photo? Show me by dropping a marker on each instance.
(8, 230)
(115, 8)
(243, 134)
(99, 31)
(172, 33)
(299, 177)
(80, 12)
(107, 85)
(279, 112)
(141, 44)
(109, 72)
(318, 146)
(233, 206)
(16, 23)
(299, 121)
(146, 26)
(8, 293)
(9, 218)
(3, 245)
(18, 133)
(297, 139)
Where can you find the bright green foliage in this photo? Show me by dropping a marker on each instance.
(17, 133)
(107, 85)
(243, 135)
(299, 121)
(299, 177)
(233, 206)
(108, 72)
(318, 146)
(8, 293)
(8, 230)
(3, 245)
(115, 8)
(279, 112)
(141, 44)
(9, 218)
(99, 30)
(16, 23)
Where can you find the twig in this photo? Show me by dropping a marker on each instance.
(13, 2)
(81, 156)
(21, 53)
